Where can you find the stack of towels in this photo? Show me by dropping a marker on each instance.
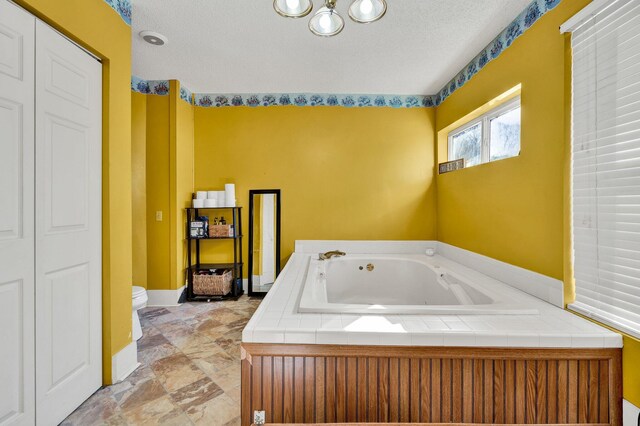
(211, 199)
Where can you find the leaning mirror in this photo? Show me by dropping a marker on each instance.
(264, 240)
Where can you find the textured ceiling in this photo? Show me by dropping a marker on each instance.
(243, 46)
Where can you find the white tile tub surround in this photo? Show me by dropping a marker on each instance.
(538, 285)
(277, 319)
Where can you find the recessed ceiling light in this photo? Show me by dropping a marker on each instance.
(153, 38)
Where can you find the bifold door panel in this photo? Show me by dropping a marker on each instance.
(17, 59)
(50, 222)
(68, 225)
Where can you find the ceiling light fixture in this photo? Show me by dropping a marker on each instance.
(327, 21)
(366, 11)
(293, 8)
(153, 38)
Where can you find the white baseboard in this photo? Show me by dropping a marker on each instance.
(630, 414)
(124, 362)
(541, 286)
(164, 297)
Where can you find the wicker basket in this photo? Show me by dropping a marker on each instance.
(220, 231)
(212, 284)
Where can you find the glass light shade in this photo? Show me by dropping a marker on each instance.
(326, 22)
(293, 8)
(365, 11)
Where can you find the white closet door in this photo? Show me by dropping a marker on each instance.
(68, 226)
(17, 30)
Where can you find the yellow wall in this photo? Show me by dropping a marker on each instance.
(182, 141)
(518, 210)
(512, 210)
(631, 370)
(87, 22)
(139, 186)
(360, 173)
(158, 193)
(164, 153)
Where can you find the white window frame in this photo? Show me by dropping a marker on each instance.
(485, 120)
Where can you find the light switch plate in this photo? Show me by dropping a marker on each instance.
(259, 417)
(159, 216)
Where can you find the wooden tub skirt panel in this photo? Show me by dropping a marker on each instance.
(350, 384)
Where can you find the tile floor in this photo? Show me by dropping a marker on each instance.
(189, 372)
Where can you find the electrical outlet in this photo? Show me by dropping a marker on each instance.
(259, 417)
(159, 216)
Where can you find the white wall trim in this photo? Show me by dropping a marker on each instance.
(124, 362)
(541, 286)
(164, 297)
(630, 414)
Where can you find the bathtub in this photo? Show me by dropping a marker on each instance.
(397, 284)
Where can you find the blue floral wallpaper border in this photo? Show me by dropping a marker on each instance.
(529, 16)
(123, 8)
(150, 87)
(312, 99)
(532, 13)
(158, 87)
(186, 95)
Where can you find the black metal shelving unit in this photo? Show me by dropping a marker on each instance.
(236, 266)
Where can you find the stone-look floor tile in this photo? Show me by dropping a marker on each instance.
(175, 325)
(149, 313)
(208, 324)
(148, 328)
(217, 411)
(144, 322)
(156, 321)
(94, 411)
(227, 379)
(162, 411)
(196, 393)
(235, 422)
(117, 420)
(230, 345)
(235, 394)
(151, 340)
(141, 374)
(185, 311)
(216, 362)
(190, 371)
(201, 318)
(151, 355)
(225, 316)
(203, 349)
(176, 371)
(179, 337)
(143, 393)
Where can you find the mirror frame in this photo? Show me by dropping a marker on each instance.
(253, 192)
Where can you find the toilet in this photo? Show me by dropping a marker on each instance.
(139, 301)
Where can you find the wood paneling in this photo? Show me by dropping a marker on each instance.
(334, 384)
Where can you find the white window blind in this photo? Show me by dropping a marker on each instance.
(606, 166)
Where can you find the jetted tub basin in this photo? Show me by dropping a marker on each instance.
(397, 284)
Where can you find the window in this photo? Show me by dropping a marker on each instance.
(606, 166)
(490, 137)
